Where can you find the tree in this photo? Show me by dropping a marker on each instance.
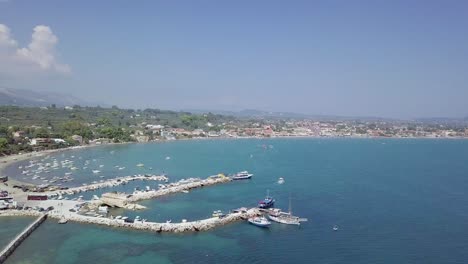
(3, 144)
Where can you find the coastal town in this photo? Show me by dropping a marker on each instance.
(54, 127)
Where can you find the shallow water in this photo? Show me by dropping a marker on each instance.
(394, 200)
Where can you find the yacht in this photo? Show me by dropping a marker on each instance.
(259, 221)
(267, 202)
(285, 218)
(242, 175)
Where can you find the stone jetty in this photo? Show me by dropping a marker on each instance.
(180, 186)
(192, 226)
(11, 247)
(110, 183)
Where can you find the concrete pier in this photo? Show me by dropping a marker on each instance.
(10, 248)
(178, 187)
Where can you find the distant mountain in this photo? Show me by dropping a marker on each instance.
(252, 113)
(20, 97)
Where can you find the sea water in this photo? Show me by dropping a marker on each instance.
(394, 201)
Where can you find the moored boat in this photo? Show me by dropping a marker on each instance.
(260, 221)
(267, 202)
(285, 217)
(243, 175)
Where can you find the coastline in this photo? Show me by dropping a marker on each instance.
(6, 161)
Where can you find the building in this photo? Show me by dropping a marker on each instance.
(40, 141)
(78, 139)
(37, 197)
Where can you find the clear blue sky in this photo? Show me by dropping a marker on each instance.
(399, 59)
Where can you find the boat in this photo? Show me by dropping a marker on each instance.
(218, 213)
(63, 220)
(140, 165)
(280, 180)
(285, 217)
(168, 158)
(243, 175)
(267, 202)
(335, 228)
(96, 171)
(259, 221)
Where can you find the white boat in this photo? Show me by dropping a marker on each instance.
(242, 175)
(280, 180)
(279, 216)
(218, 213)
(259, 221)
(140, 165)
(96, 171)
(168, 158)
(335, 228)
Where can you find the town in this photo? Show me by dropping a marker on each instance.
(26, 129)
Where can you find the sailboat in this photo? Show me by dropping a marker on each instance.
(285, 218)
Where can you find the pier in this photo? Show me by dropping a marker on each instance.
(10, 248)
(109, 183)
(178, 187)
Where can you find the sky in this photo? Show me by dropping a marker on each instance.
(399, 59)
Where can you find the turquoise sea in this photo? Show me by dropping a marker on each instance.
(394, 200)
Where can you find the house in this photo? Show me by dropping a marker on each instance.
(58, 141)
(78, 139)
(40, 141)
(19, 134)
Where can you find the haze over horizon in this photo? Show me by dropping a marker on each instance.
(393, 59)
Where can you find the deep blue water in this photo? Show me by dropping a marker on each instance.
(395, 201)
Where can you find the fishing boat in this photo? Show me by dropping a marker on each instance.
(218, 213)
(243, 175)
(259, 221)
(63, 220)
(267, 202)
(285, 217)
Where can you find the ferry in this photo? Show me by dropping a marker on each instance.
(259, 221)
(243, 175)
(267, 202)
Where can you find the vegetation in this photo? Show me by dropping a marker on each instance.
(90, 123)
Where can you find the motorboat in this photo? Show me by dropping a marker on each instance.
(260, 221)
(243, 175)
(280, 180)
(267, 202)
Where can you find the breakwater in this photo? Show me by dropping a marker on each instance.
(110, 183)
(10, 248)
(189, 226)
(180, 186)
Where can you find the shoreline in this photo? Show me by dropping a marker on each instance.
(8, 160)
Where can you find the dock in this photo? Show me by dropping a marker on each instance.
(109, 184)
(178, 187)
(11, 247)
